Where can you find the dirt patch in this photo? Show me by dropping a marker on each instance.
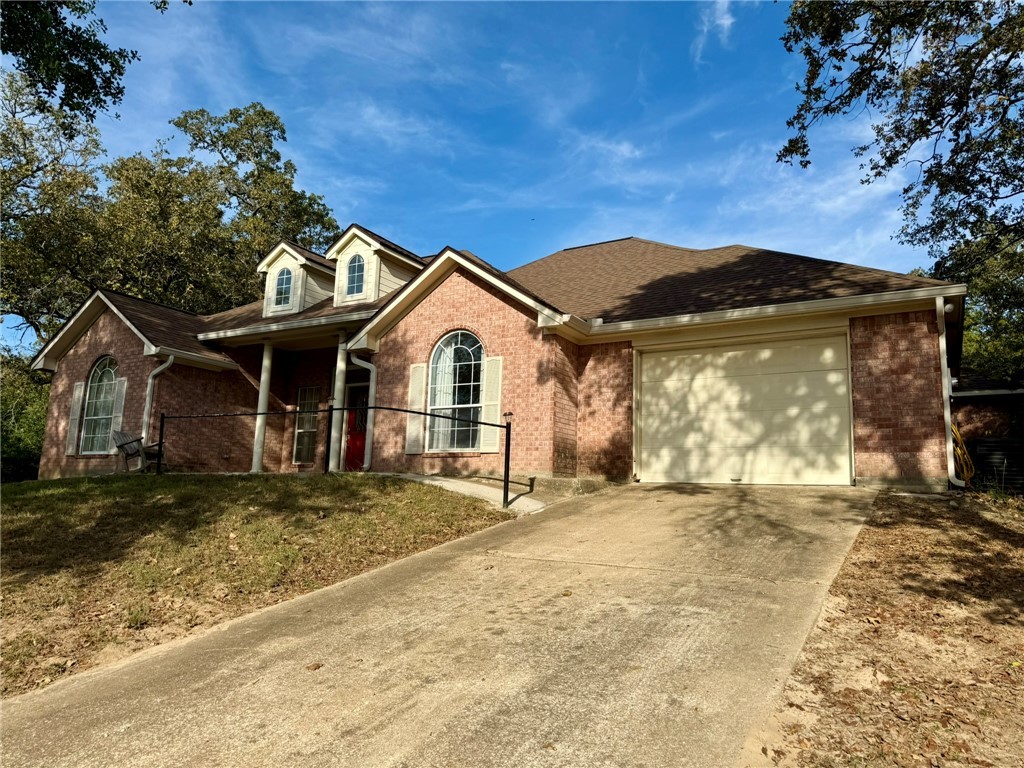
(96, 569)
(917, 657)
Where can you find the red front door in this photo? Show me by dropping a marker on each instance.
(355, 448)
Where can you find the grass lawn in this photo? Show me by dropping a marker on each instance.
(94, 569)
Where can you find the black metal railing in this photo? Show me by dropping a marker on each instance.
(507, 427)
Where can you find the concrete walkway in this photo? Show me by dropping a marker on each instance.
(645, 626)
(519, 505)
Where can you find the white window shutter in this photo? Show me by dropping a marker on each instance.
(417, 398)
(117, 412)
(74, 418)
(491, 401)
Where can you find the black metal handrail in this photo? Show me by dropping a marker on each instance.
(507, 426)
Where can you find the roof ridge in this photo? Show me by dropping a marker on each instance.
(905, 276)
(588, 245)
(294, 244)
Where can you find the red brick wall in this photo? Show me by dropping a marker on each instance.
(605, 427)
(898, 423)
(563, 361)
(205, 445)
(506, 330)
(107, 336)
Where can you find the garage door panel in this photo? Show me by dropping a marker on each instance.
(772, 414)
(823, 433)
(691, 365)
(681, 465)
(813, 389)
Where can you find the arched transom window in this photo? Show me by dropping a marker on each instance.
(456, 371)
(356, 270)
(99, 406)
(283, 289)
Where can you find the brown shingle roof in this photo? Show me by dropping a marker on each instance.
(636, 279)
(313, 256)
(164, 326)
(382, 240)
(251, 315)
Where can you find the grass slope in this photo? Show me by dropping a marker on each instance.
(94, 569)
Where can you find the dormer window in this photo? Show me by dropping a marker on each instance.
(356, 268)
(283, 291)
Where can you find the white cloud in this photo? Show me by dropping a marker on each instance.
(717, 19)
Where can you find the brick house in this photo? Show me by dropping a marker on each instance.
(624, 359)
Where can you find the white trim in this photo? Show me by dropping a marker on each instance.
(417, 289)
(374, 244)
(777, 310)
(849, 389)
(256, 330)
(42, 357)
(273, 308)
(637, 420)
(726, 343)
(362, 276)
(316, 424)
(201, 361)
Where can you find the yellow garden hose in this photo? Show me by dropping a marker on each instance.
(961, 459)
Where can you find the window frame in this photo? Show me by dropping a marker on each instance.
(105, 364)
(446, 427)
(306, 418)
(276, 304)
(361, 264)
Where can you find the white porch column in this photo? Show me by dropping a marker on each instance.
(338, 417)
(261, 407)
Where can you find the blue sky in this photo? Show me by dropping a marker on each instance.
(514, 130)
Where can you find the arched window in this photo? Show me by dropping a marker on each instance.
(99, 407)
(356, 268)
(456, 370)
(283, 291)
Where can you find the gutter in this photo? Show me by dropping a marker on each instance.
(947, 392)
(779, 310)
(368, 452)
(147, 409)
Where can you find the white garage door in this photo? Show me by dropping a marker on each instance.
(771, 413)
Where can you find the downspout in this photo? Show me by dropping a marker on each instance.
(947, 392)
(147, 409)
(372, 400)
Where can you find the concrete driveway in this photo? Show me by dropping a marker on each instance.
(645, 626)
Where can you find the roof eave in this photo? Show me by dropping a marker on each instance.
(815, 306)
(46, 359)
(287, 325)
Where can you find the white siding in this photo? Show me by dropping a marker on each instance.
(270, 284)
(393, 275)
(318, 287)
(371, 261)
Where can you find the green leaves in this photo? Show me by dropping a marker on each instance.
(63, 61)
(944, 82)
(185, 231)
